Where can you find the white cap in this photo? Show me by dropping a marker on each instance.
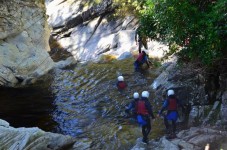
(120, 78)
(136, 95)
(170, 92)
(145, 94)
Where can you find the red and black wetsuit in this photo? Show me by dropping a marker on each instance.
(144, 108)
(171, 104)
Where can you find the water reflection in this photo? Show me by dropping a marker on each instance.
(82, 102)
(27, 107)
(89, 105)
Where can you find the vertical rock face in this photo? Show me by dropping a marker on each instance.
(24, 38)
(186, 81)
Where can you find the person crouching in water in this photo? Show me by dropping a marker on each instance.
(131, 108)
(121, 85)
(141, 59)
(144, 112)
(170, 104)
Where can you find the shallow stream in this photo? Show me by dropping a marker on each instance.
(83, 102)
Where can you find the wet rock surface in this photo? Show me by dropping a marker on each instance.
(195, 138)
(31, 138)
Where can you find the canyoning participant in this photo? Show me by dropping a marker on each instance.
(170, 104)
(121, 85)
(141, 39)
(144, 112)
(141, 59)
(132, 106)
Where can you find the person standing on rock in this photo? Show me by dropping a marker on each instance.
(141, 39)
(144, 112)
(121, 85)
(170, 104)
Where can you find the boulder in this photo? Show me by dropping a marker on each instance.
(32, 138)
(65, 63)
(187, 83)
(23, 42)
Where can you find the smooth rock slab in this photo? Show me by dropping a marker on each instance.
(31, 139)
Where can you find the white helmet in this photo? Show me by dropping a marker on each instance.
(145, 94)
(136, 95)
(170, 92)
(120, 78)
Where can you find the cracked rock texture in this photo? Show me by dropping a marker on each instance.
(24, 36)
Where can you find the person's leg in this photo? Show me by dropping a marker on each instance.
(140, 45)
(166, 124)
(147, 129)
(144, 133)
(173, 127)
(148, 126)
(136, 66)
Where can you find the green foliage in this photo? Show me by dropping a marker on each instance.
(128, 7)
(198, 27)
(89, 3)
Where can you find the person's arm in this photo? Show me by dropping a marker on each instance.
(164, 106)
(149, 108)
(129, 107)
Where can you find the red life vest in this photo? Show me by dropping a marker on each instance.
(141, 108)
(172, 104)
(121, 85)
(140, 57)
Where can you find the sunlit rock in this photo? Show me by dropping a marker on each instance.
(23, 43)
(88, 34)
